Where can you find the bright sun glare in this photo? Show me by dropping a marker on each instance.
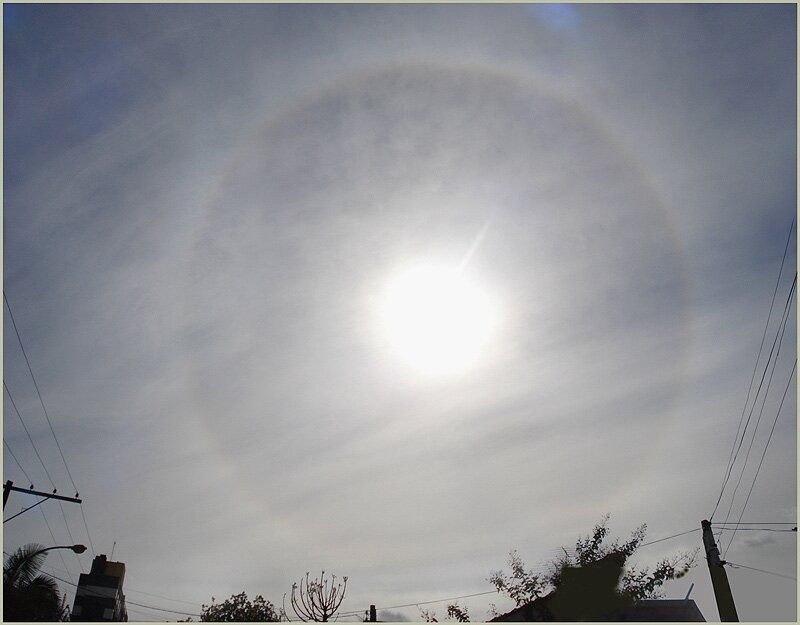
(436, 320)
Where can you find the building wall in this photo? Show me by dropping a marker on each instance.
(99, 594)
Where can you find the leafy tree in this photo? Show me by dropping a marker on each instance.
(27, 594)
(522, 586)
(317, 599)
(454, 613)
(457, 613)
(239, 608)
(636, 583)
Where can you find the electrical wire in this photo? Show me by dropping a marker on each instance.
(489, 592)
(49, 423)
(781, 332)
(652, 542)
(742, 566)
(69, 533)
(150, 594)
(55, 542)
(25, 509)
(757, 523)
(128, 591)
(147, 617)
(766, 446)
(30, 438)
(88, 535)
(30, 481)
(755, 529)
(418, 603)
(127, 602)
(755, 368)
(36, 386)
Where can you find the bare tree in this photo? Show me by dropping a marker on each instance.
(317, 599)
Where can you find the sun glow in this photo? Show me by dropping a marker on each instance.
(436, 320)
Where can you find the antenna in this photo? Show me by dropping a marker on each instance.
(112, 550)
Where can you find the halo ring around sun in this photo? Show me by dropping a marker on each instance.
(303, 110)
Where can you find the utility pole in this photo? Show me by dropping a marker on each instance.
(6, 492)
(719, 578)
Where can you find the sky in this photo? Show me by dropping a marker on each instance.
(207, 210)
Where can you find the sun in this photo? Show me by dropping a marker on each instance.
(436, 320)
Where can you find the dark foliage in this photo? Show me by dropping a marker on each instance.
(522, 586)
(457, 613)
(239, 608)
(27, 594)
(635, 583)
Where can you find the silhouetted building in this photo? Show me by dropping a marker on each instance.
(99, 594)
(661, 610)
(644, 611)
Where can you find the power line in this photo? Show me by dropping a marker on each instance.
(49, 423)
(150, 594)
(141, 605)
(489, 592)
(26, 509)
(71, 539)
(89, 536)
(30, 438)
(147, 616)
(755, 529)
(36, 386)
(788, 383)
(652, 542)
(781, 331)
(742, 566)
(418, 603)
(129, 590)
(30, 481)
(69, 533)
(757, 523)
(729, 467)
(55, 542)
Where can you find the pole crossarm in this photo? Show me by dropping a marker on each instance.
(9, 486)
(41, 494)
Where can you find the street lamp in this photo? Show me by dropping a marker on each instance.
(75, 548)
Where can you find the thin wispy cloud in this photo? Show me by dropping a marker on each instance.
(204, 204)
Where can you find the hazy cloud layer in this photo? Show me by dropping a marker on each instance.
(202, 205)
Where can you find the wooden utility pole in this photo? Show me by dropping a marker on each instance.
(719, 578)
(6, 492)
(9, 486)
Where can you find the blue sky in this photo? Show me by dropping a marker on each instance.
(204, 204)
